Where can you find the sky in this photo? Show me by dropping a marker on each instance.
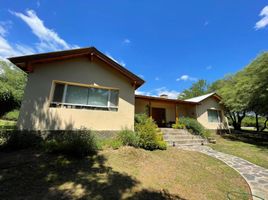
(169, 43)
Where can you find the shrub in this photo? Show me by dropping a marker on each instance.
(178, 125)
(74, 143)
(162, 145)
(194, 126)
(128, 137)
(250, 121)
(148, 132)
(12, 115)
(15, 140)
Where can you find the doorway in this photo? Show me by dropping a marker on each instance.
(159, 116)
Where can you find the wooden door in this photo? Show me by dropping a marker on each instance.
(159, 116)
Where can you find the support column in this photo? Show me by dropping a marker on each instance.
(176, 113)
(150, 109)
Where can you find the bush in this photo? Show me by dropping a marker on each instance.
(162, 145)
(12, 115)
(15, 140)
(148, 133)
(128, 138)
(178, 125)
(74, 143)
(194, 126)
(250, 121)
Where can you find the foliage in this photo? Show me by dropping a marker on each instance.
(162, 145)
(148, 133)
(128, 138)
(12, 115)
(15, 140)
(12, 81)
(250, 121)
(194, 126)
(74, 143)
(178, 125)
(197, 89)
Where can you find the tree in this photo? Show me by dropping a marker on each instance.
(255, 85)
(198, 88)
(12, 81)
(234, 107)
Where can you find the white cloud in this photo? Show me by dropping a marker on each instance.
(139, 92)
(24, 49)
(157, 78)
(186, 78)
(49, 39)
(6, 48)
(121, 62)
(172, 94)
(126, 41)
(264, 21)
(141, 76)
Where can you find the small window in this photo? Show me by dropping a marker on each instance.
(214, 116)
(83, 97)
(58, 93)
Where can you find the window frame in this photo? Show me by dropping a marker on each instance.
(219, 115)
(93, 107)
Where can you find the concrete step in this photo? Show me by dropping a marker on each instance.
(188, 143)
(179, 137)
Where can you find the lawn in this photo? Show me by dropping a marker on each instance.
(249, 145)
(126, 173)
(7, 123)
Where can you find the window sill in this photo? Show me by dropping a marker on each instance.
(86, 107)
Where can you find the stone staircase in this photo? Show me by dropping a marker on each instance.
(181, 137)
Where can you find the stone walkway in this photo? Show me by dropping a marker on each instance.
(256, 176)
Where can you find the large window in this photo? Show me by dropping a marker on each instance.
(214, 116)
(73, 96)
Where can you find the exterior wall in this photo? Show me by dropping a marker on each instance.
(35, 113)
(202, 114)
(183, 110)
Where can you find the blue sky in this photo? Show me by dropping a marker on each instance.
(170, 44)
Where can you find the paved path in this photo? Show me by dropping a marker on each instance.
(256, 176)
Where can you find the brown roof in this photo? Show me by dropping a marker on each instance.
(25, 62)
(164, 99)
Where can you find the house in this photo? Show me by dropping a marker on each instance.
(76, 88)
(83, 88)
(205, 109)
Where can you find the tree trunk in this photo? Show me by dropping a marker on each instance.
(265, 124)
(237, 119)
(257, 122)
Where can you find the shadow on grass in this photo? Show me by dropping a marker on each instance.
(258, 139)
(28, 174)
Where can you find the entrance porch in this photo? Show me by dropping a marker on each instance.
(164, 111)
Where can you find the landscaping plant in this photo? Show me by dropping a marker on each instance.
(150, 137)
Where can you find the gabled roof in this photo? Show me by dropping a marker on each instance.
(203, 97)
(161, 99)
(26, 62)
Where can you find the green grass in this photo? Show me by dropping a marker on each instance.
(7, 123)
(126, 173)
(248, 145)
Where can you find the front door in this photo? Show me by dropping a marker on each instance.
(159, 116)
